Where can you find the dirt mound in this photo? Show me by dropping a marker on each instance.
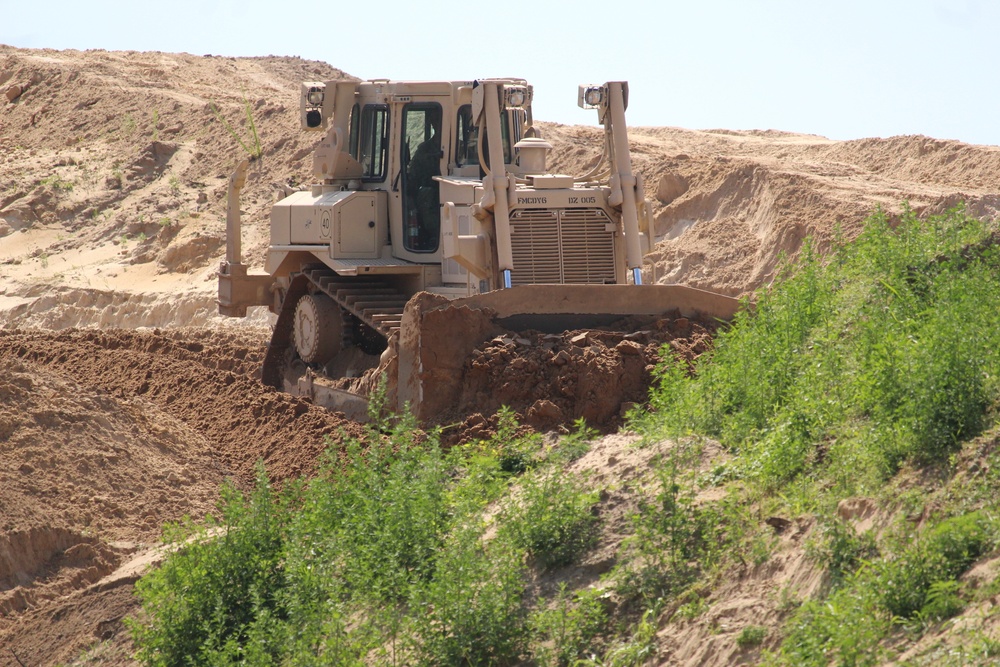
(199, 379)
(115, 164)
(106, 436)
(551, 380)
(77, 457)
(728, 204)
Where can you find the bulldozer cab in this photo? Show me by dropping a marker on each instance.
(402, 137)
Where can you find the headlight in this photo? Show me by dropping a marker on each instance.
(311, 97)
(315, 97)
(590, 97)
(515, 96)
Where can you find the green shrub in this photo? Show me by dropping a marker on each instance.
(551, 519)
(674, 538)
(371, 527)
(576, 443)
(215, 598)
(905, 582)
(472, 614)
(844, 629)
(636, 651)
(568, 629)
(751, 636)
(918, 584)
(514, 450)
(380, 557)
(886, 350)
(840, 549)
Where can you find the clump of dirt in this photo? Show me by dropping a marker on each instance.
(551, 380)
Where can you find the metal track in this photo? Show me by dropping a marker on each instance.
(374, 302)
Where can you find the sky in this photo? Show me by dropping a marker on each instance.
(843, 69)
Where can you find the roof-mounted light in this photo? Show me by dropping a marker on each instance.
(591, 97)
(311, 102)
(515, 97)
(315, 96)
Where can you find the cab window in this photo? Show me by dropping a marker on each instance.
(421, 158)
(466, 152)
(374, 146)
(355, 131)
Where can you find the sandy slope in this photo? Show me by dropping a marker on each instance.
(113, 171)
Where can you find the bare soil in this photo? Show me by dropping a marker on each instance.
(125, 401)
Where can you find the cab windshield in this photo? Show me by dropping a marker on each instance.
(467, 153)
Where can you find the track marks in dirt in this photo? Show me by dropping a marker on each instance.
(200, 379)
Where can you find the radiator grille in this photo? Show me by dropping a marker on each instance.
(562, 246)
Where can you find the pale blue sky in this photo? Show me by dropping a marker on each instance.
(844, 69)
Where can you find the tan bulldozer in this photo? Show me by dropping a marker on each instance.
(432, 224)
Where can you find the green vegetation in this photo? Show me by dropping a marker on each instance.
(914, 588)
(251, 146)
(751, 636)
(551, 518)
(384, 555)
(884, 352)
(128, 125)
(862, 373)
(58, 183)
(880, 356)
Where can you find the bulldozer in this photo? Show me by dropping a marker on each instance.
(432, 224)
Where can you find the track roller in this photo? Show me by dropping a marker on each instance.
(317, 330)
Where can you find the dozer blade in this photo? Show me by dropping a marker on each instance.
(438, 335)
(555, 308)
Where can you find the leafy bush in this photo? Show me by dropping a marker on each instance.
(380, 556)
(551, 519)
(887, 350)
(751, 636)
(674, 537)
(917, 584)
(371, 527)
(215, 597)
(950, 547)
(565, 631)
(473, 613)
(840, 549)
(634, 652)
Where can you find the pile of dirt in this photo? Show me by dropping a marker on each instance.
(86, 480)
(107, 435)
(114, 168)
(198, 377)
(552, 380)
